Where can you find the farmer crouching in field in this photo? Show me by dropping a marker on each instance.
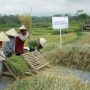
(20, 39)
(39, 44)
(9, 47)
(3, 38)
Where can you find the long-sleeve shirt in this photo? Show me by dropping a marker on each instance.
(23, 37)
(19, 43)
(9, 46)
(35, 45)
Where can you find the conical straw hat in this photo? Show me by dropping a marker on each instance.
(42, 41)
(3, 37)
(22, 28)
(12, 32)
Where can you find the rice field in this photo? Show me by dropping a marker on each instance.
(76, 57)
(49, 83)
(55, 39)
(68, 56)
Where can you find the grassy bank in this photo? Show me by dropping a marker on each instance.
(56, 56)
(49, 83)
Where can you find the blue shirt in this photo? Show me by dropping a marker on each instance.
(9, 46)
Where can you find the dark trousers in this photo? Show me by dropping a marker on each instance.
(9, 54)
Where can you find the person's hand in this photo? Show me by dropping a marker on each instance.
(13, 51)
(27, 34)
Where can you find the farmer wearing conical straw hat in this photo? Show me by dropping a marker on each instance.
(20, 39)
(9, 47)
(40, 43)
(3, 38)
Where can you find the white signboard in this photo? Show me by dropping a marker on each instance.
(59, 22)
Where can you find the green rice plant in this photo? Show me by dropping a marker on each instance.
(57, 32)
(17, 64)
(42, 30)
(50, 47)
(33, 43)
(54, 40)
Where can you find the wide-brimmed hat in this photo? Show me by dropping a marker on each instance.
(42, 41)
(3, 37)
(22, 28)
(12, 32)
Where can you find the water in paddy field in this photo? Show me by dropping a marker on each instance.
(60, 70)
(5, 82)
(84, 76)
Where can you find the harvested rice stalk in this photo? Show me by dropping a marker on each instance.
(71, 57)
(42, 82)
(17, 64)
(27, 21)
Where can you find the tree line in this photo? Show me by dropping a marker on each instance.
(7, 21)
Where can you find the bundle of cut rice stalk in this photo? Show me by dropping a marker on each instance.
(17, 64)
(75, 56)
(27, 21)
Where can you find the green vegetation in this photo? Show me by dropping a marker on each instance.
(56, 38)
(18, 65)
(69, 57)
(65, 31)
(58, 56)
(9, 21)
(50, 47)
(77, 57)
(50, 83)
(53, 41)
(33, 43)
(41, 31)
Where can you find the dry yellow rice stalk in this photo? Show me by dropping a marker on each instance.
(78, 57)
(27, 21)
